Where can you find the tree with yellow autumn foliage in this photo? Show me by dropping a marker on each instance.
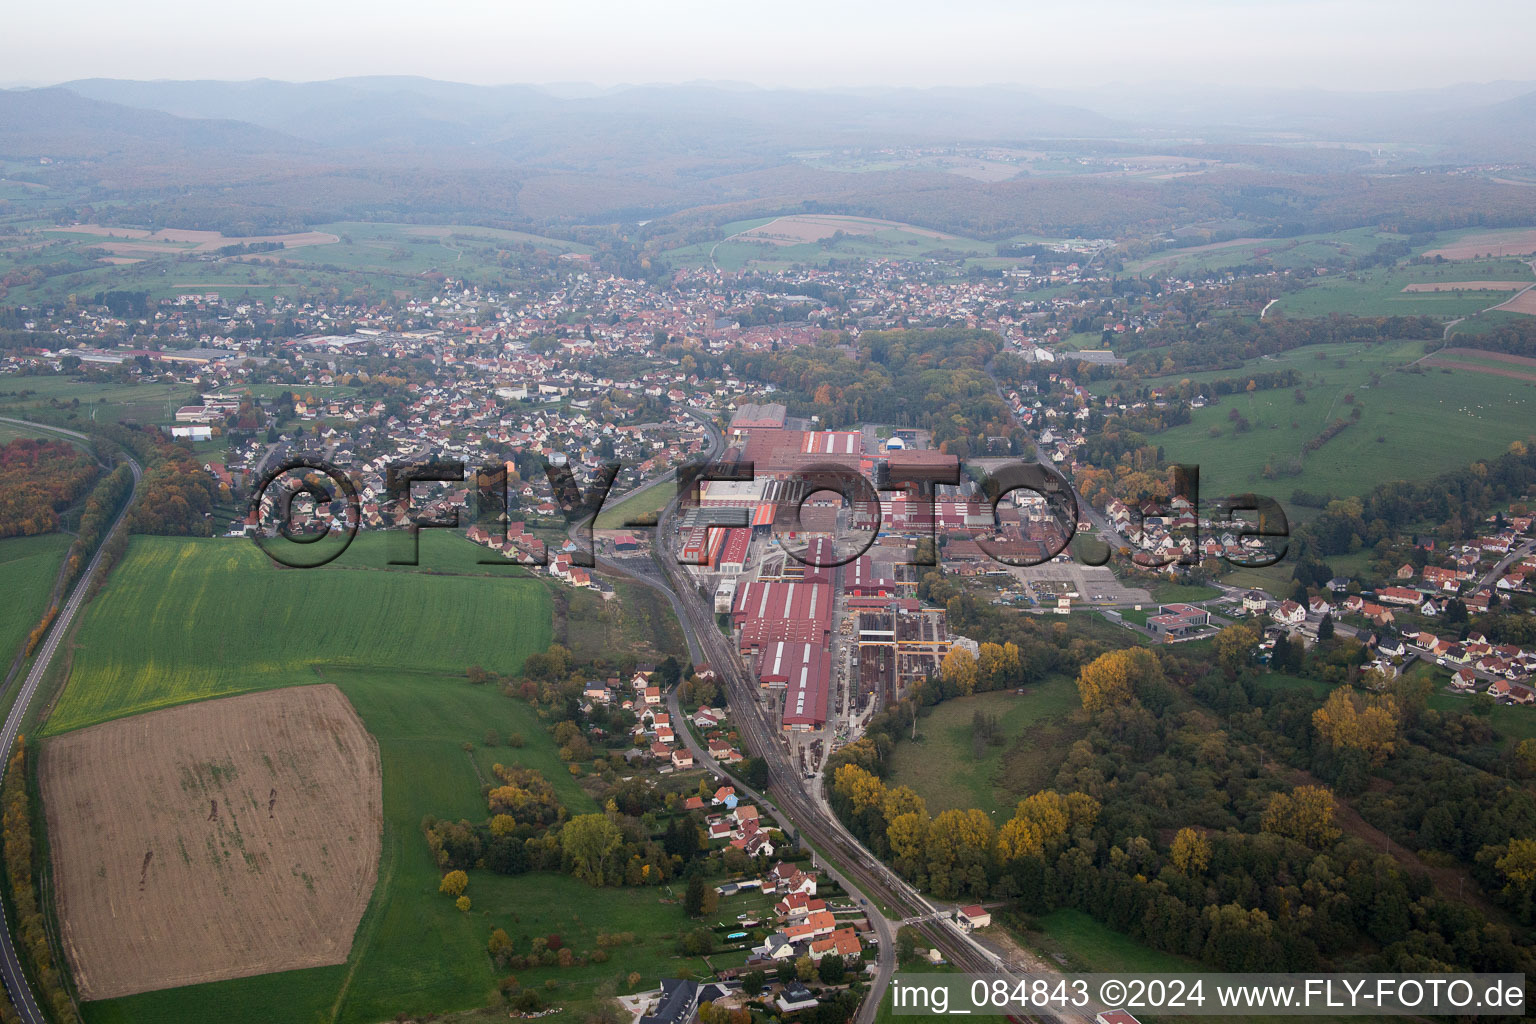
(1110, 680)
(1041, 820)
(1305, 814)
(1351, 721)
(1190, 853)
(959, 670)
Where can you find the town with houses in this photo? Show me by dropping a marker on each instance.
(551, 386)
(506, 381)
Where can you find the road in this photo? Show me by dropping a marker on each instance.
(16, 985)
(1086, 513)
(1492, 577)
(1450, 326)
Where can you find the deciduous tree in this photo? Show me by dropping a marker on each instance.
(1305, 814)
(589, 842)
(1191, 852)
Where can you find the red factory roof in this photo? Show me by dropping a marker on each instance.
(820, 557)
(779, 610)
(859, 577)
(767, 600)
(806, 670)
(716, 544)
(736, 547)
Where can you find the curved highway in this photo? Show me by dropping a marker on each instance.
(11, 973)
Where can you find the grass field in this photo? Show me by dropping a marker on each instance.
(1166, 591)
(185, 619)
(1080, 943)
(209, 617)
(887, 1013)
(647, 503)
(940, 764)
(378, 257)
(9, 433)
(889, 243)
(1286, 253)
(29, 565)
(1087, 945)
(1379, 292)
(1412, 425)
(1492, 320)
(35, 398)
(640, 622)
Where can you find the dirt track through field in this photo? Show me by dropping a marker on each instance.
(211, 841)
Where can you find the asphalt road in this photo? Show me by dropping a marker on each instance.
(16, 985)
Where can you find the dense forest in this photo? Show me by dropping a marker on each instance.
(38, 480)
(1204, 814)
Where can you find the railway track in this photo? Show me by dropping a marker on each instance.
(11, 971)
(809, 815)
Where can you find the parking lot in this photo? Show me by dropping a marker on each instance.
(1084, 584)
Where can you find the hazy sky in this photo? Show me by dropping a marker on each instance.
(1348, 44)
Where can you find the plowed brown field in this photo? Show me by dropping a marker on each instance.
(214, 840)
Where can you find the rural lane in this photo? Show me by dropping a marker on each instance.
(11, 972)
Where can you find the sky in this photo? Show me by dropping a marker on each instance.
(1340, 44)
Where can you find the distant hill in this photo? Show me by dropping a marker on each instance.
(265, 155)
(60, 123)
(1497, 131)
(531, 121)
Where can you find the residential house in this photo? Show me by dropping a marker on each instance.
(1290, 614)
(843, 942)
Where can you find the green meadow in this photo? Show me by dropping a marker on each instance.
(892, 243)
(1379, 292)
(188, 619)
(635, 506)
(941, 764)
(377, 258)
(1285, 253)
(1412, 425)
(29, 566)
(52, 400)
